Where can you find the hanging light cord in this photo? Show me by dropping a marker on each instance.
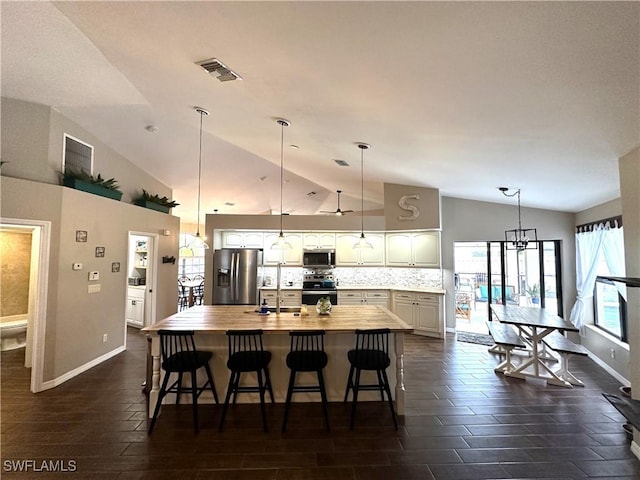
(362, 190)
(281, 168)
(202, 113)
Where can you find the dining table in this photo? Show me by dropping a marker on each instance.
(533, 325)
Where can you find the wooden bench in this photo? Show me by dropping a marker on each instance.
(565, 347)
(507, 338)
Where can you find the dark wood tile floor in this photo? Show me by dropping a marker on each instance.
(463, 422)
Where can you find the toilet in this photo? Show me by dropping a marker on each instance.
(13, 332)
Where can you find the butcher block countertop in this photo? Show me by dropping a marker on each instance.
(220, 318)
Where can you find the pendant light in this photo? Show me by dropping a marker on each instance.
(362, 242)
(199, 241)
(519, 238)
(281, 243)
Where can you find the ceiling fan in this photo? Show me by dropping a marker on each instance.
(338, 211)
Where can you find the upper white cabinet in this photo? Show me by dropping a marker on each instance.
(289, 256)
(420, 249)
(240, 239)
(346, 255)
(318, 240)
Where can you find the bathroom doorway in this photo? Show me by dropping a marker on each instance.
(25, 269)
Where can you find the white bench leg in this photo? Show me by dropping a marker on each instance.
(564, 373)
(506, 366)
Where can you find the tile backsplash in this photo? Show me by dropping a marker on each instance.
(364, 276)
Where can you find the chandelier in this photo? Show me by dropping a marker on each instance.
(519, 238)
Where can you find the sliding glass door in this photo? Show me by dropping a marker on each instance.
(487, 273)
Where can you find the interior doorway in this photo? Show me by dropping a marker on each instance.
(25, 266)
(141, 280)
(488, 273)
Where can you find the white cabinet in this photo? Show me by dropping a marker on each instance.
(312, 240)
(346, 255)
(289, 256)
(288, 298)
(242, 239)
(420, 249)
(422, 311)
(135, 306)
(363, 297)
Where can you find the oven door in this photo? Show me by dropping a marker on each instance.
(311, 297)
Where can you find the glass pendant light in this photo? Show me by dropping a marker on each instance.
(362, 241)
(199, 241)
(281, 242)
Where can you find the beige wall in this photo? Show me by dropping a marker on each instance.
(467, 220)
(629, 168)
(32, 144)
(75, 320)
(427, 204)
(15, 257)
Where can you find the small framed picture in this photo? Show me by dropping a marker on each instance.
(99, 251)
(115, 267)
(81, 236)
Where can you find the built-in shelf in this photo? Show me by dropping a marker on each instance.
(628, 281)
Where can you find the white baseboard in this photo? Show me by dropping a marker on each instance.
(49, 384)
(608, 369)
(635, 449)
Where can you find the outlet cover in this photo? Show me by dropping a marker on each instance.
(94, 276)
(77, 266)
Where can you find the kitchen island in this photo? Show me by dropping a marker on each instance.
(210, 322)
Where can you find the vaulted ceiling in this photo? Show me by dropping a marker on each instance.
(459, 96)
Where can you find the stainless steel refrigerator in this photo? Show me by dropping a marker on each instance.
(237, 276)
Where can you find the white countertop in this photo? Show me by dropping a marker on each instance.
(435, 290)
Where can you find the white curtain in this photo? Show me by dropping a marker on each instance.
(589, 246)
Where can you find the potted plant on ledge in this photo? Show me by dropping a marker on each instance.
(81, 180)
(155, 202)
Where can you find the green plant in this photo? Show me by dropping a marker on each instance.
(110, 183)
(534, 290)
(164, 201)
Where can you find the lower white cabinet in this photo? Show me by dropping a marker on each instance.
(364, 297)
(422, 311)
(288, 298)
(135, 307)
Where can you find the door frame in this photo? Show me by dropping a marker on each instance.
(38, 292)
(150, 298)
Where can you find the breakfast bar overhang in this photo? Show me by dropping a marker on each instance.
(210, 322)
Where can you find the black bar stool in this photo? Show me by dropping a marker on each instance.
(247, 354)
(371, 353)
(179, 355)
(306, 355)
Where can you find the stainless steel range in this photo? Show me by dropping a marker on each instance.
(319, 283)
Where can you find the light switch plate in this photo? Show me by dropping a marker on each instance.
(94, 288)
(94, 276)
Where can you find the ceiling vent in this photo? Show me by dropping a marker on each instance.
(219, 70)
(342, 163)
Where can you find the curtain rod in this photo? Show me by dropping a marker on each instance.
(614, 222)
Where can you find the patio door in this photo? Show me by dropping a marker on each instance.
(487, 273)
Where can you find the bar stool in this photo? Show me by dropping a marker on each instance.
(179, 355)
(247, 354)
(306, 355)
(371, 353)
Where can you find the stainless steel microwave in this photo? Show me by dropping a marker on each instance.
(319, 258)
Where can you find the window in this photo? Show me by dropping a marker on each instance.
(610, 309)
(191, 260)
(78, 156)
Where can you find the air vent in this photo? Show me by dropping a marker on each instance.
(229, 204)
(312, 194)
(342, 163)
(219, 70)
